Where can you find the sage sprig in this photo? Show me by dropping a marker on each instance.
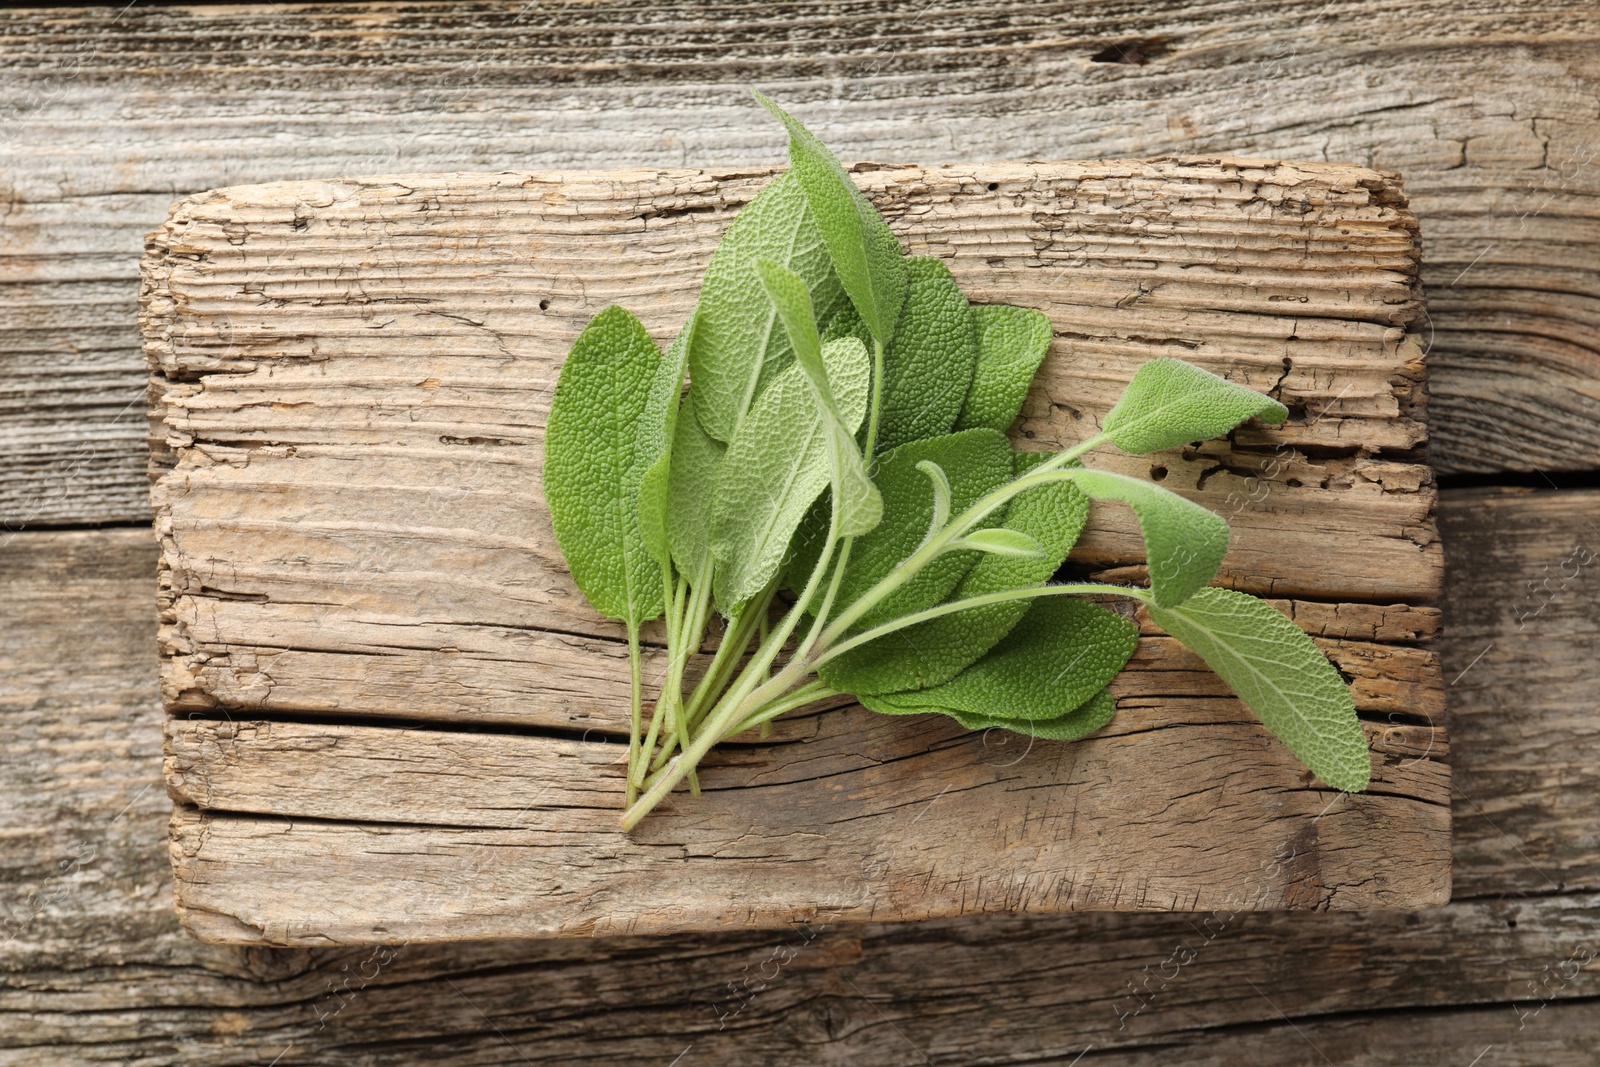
(837, 486)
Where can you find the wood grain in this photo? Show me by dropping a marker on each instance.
(352, 378)
(96, 969)
(1488, 113)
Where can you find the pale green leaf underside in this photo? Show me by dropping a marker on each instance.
(593, 441)
(691, 482)
(1280, 675)
(1000, 542)
(866, 256)
(1184, 543)
(739, 344)
(1171, 403)
(1060, 654)
(653, 463)
(775, 468)
(855, 498)
(1012, 342)
(937, 650)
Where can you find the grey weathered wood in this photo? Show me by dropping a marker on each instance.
(104, 974)
(1488, 113)
(352, 380)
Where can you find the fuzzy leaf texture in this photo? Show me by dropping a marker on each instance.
(1184, 543)
(937, 650)
(595, 436)
(1280, 675)
(855, 498)
(1170, 403)
(1012, 342)
(739, 343)
(927, 368)
(1081, 721)
(1062, 652)
(776, 466)
(866, 256)
(691, 481)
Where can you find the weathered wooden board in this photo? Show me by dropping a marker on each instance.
(108, 114)
(95, 969)
(350, 380)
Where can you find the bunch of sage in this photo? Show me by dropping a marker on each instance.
(837, 485)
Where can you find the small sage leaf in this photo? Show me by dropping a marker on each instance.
(1170, 403)
(941, 494)
(691, 482)
(658, 427)
(1062, 652)
(1012, 342)
(1280, 675)
(937, 650)
(1085, 719)
(595, 436)
(866, 256)
(1184, 543)
(927, 368)
(1001, 542)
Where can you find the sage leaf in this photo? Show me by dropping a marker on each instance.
(691, 482)
(855, 498)
(1081, 721)
(1170, 403)
(1060, 654)
(1001, 542)
(739, 344)
(866, 256)
(937, 650)
(941, 494)
(1280, 675)
(975, 463)
(775, 467)
(595, 436)
(1012, 342)
(653, 463)
(927, 368)
(1184, 543)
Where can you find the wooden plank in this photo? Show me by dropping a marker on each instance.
(1498, 166)
(353, 379)
(104, 975)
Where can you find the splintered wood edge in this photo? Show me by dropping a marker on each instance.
(1413, 684)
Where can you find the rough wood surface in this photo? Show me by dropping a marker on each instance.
(108, 115)
(350, 381)
(96, 970)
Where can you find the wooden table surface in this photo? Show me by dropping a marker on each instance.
(1492, 114)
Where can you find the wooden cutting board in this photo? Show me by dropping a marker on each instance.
(391, 716)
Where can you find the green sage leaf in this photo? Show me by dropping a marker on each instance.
(855, 498)
(1081, 721)
(691, 483)
(1062, 653)
(1184, 543)
(927, 368)
(739, 344)
(595, 436)
(1171, 403)
(775, 467)
(658, 427)
(1012, 342)
(1002, 542)
(1280, 675)
(937, 650)
(866, 256)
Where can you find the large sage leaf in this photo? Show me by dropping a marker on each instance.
(595, 440)
(1280, 675)
(778, 463)
(1060, 654)
(928, 367)
(1184, 543)
(1170, 403)
(739, 344)
(866, 256)
(1012, 342)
